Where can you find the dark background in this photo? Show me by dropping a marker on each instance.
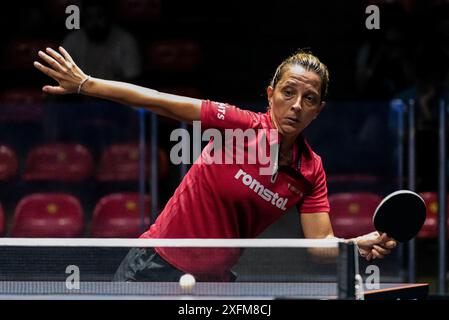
(242, 42)
(227, 51)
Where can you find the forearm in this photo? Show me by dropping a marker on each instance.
(71, 79)
(329, 255)
(325, 255)
(173, 106)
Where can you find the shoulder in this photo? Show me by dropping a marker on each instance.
(314, 164)
(318, 168)
(311, 155)
(230, 116)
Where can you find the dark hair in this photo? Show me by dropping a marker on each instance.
(309, 62)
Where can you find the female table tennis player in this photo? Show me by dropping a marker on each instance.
(227, 200)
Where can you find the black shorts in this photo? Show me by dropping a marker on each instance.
(144, 264)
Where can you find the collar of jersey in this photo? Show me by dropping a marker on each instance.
(304, 161)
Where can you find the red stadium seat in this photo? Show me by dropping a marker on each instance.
(118, 216)
(59, 162)
(46, 215)
(173, 55)
(430, 227)
(351, 213)
(139, 11)
(8, 163)
(2, 221)
(21, 105)
(120, 162)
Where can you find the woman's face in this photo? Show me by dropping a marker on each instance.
(295, 101)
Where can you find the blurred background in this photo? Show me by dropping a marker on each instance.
(73, 166)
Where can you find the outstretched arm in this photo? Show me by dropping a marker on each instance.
(61, 67)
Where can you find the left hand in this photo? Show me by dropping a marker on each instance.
(375, 245)
(62, 69)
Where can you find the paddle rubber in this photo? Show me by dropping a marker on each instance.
(400, 215)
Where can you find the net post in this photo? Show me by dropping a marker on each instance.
(346, 270)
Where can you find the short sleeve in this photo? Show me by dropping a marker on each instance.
(224, 116)
(316, 200)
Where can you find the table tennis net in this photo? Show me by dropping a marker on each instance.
(272, 266)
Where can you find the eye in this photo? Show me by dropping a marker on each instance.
(310, 98)
(288, 92)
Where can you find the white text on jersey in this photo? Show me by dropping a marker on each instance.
(261, 191)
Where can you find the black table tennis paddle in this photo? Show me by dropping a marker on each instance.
(400, 215)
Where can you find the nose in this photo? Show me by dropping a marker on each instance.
(297, 104)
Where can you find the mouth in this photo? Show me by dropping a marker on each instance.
(292, 120)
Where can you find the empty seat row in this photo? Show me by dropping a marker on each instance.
(8, 163)
(120, 215)
(351, 214)
(21, 105)
(128, 10)
(168, 55)
(74, 163)
(28, 105)
(60, 215)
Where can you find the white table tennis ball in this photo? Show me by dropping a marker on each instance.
(187, 282)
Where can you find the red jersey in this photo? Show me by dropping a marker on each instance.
(235, 200)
